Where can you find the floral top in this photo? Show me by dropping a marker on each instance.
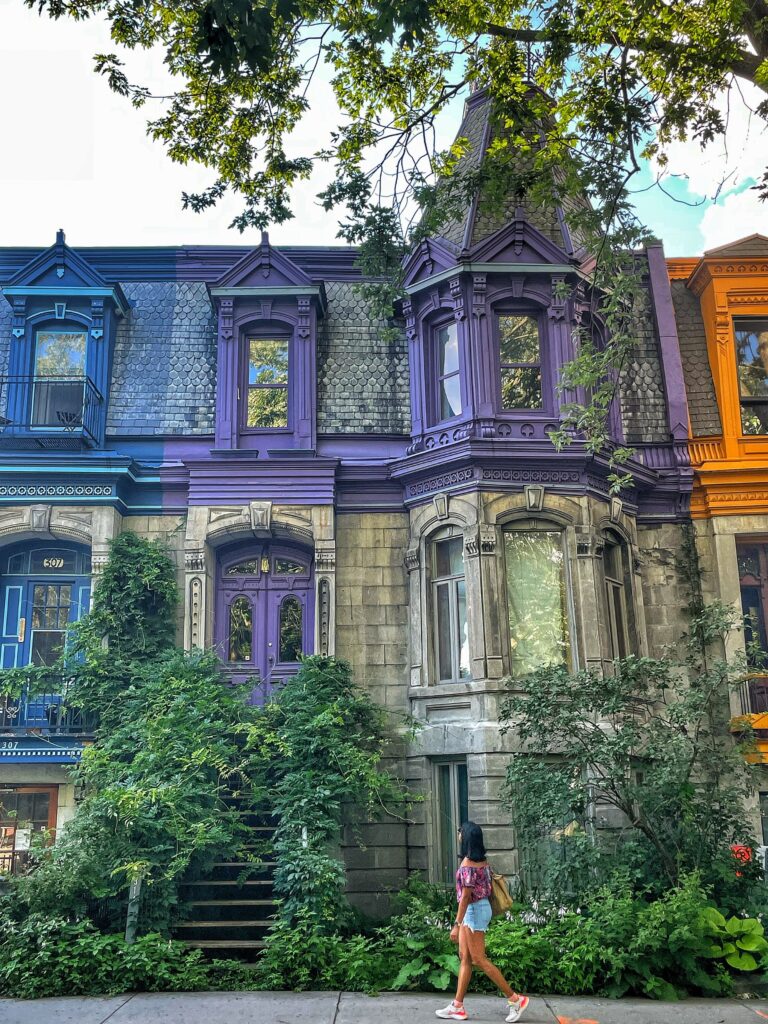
(476, 879)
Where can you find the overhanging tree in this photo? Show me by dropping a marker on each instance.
(585, 92)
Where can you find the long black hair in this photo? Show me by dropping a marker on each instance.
(472, 845)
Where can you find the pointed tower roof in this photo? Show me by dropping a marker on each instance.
(486, 215)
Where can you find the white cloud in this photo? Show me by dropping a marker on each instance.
(734, 217)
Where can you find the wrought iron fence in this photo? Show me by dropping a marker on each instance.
(48, 714)
(62, 405)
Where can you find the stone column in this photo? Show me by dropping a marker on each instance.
(481, 569)
(325, 597)
(199, 570)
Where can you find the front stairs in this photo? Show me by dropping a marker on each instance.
(228, 910)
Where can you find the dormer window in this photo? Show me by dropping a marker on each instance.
(267, 401)
(448, 372)
(751, 337)
(58, 380)
(268, 311)
(520, 362)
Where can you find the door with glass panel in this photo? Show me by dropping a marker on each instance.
(451, 811)
(44, 590)
(25, 811)
(58, 380)
(264, 615)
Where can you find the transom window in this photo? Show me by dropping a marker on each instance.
(618, 594)
(520, 362)
(448, 373)
(751, 338)
(267, 406)
(59, 379)
(537, 599)
(449, 599)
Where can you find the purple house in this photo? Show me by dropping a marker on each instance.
(325, 488)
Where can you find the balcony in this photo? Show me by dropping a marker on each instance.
(46, 714)
(61, 413)
(753, 695)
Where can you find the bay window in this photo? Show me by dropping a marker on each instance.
(537, 599)
(520, 362)
(449, 608)
(448, 398)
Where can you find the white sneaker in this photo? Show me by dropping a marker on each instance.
(516, 1009)
(453, 1012)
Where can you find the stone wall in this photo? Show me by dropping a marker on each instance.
(666, 593)
(371, 634)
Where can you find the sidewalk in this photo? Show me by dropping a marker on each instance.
(347, 1008)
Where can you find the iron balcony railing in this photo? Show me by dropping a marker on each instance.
(67, 406)
(44, 714)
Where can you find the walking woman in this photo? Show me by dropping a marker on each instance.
(473, 887)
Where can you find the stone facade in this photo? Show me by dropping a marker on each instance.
(380, 453)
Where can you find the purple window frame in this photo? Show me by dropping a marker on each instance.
(544, 364)
(435, 377)
(263, 333)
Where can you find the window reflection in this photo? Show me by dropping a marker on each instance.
(520, 362)
(449, 598)
(240, 630)
(539, 632)
(752, 359)
(290, 629)
(449, 378)
(267, 382)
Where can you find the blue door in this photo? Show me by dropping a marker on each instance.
(43, 590)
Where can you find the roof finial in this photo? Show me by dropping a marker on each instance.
(265, 239)
(60, 237)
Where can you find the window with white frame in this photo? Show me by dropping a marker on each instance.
(448, 396)
(449, 607)
(537, 598)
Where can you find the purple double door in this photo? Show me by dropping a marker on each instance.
(264, 614)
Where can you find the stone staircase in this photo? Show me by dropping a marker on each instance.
(227, 911)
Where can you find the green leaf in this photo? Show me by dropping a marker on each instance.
(741, 961)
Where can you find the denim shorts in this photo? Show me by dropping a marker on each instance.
(478, 916)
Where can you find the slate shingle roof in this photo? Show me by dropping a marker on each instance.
(164, 367)
(699, 386)
(362, 377)
(643, 405)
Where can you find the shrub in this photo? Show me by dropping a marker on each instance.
(43, 956)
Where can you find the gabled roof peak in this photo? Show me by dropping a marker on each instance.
(751, 245)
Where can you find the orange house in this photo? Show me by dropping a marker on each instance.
(721, 310)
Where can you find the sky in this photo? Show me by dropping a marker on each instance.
(76, 156)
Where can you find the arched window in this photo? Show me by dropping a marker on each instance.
(537, 598)
(291, 629)
(240, 630)
(618, 596)
(267, 406)
(449, 607)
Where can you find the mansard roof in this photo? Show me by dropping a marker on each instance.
(58, 270)
(752, 245)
